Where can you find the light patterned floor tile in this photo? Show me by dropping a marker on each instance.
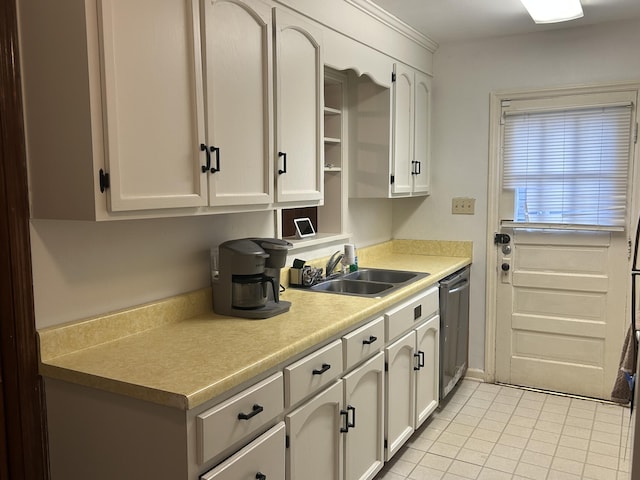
(490, 474)
(533, 472)
(464, 469)
(493, 432)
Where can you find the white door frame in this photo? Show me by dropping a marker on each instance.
(493, 217)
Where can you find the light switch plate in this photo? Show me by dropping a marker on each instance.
(463, 206)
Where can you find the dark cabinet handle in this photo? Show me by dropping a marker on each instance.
(347, 423)
(351, 409)
(419, 169)
(261, 476)
(284, 162)
(325, 367)
(345, 413)
(216, 152)
(256, 409)
(205, 149)
(370, 340)
(414, 169)
(420, 357)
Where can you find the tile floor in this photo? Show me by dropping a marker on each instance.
(493, 432)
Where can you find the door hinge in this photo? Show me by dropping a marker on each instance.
(393, 179)
(105, 181)
(635, 135)
(393, 76)
(386, 366)
(386, 443)
(286, 441)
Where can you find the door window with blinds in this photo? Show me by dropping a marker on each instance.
(566, 160)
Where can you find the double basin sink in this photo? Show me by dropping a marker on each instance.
(368, 282)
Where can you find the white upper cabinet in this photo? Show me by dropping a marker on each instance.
(390, 128)
(152, 103)
(299, 109)
(172, 109)
(403, 105)
(411, 127)
(238, 65)
(422, 135)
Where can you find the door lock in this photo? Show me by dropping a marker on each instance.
(505, 267)
(501, 239)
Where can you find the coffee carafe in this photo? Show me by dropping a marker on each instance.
(277, 250)
(248, 282)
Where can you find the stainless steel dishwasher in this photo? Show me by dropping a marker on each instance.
(454, 329)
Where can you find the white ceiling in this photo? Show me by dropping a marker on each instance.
(458, 20)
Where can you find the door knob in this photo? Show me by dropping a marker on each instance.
(505, 267)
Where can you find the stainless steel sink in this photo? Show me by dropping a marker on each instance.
(352, 287)
(368, 282)
(379, 275)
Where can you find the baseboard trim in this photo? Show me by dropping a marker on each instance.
(475, 374)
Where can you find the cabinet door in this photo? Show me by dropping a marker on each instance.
(427, 377)
(364, 400)
(402, 129)
(299, 110)
(400, 392)
(421, 136)
(238, 67)
(315, 440)
(265, 455)
(153, 103)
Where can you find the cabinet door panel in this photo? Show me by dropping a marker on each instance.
(400, 392)
(422, 131)
(264, 455)
(299, 77)
(153, 101)
(402, 129)
(239, 101)
(364, 443)
(427, 378)
(315, 441)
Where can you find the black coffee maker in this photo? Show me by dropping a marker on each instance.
(248, 283)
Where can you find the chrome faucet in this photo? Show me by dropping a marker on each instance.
(333, 263)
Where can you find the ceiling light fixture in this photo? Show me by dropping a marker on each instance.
(552, 11)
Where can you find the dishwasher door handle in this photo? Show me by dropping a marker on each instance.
(459, 286)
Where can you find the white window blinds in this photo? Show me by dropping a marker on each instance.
(568, 166)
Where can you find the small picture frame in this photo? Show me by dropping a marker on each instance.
(304, 227)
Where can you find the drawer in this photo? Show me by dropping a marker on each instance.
(420, 307)
(230, 421)
(363, 342)
(265, 455)
(312, 372)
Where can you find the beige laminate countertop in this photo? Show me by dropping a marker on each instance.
(184, 359)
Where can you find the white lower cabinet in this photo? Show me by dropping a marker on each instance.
(364, 402)
(411, 382)
(338, 434)
(262, 459)
(315, 437)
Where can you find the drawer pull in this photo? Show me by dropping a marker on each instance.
(370, 340)
(254, 411)
(325, 367)
(261, 476)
